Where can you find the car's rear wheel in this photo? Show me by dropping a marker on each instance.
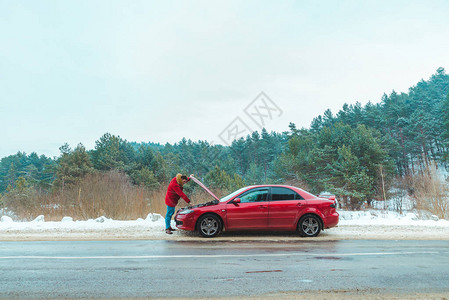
(209, 225)
(309, 226)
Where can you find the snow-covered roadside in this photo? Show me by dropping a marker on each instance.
(376, 224)
(67, 229)
(352, 225)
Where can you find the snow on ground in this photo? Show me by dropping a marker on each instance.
(378, 217)
(373, 224)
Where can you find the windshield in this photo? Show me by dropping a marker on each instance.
(228, 197)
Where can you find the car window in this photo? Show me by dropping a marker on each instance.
(226, 198)
(281, 193)
(254, 196)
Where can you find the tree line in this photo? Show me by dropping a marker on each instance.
(356, 153)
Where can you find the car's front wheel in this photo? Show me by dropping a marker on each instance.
(209, 225)
(309, 226)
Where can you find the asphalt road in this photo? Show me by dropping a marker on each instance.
(132, 269)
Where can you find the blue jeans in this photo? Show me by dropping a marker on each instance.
(170, 212)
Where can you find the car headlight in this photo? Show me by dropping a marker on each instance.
(186, 211)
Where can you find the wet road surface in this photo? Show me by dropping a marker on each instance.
(132, 269)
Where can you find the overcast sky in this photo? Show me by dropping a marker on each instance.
(159, 71)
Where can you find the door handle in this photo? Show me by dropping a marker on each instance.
(299, 204)
(263, 206)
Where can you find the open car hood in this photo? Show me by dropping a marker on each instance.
(204, 187)
(213, 202)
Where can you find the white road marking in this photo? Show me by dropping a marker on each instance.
(217, 255)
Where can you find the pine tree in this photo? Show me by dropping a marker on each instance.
(72, 166)
(445, 144)
(113, 153)
(12, 175)
(219, 179)
(145, 177)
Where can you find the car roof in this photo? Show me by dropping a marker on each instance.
(303, 193)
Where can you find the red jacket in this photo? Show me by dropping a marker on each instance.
(174, 192)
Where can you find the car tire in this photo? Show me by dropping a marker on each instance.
(309, 226)
(209, 225)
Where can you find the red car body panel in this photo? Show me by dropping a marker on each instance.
(264, 215)
(285, 214)
(247, 215)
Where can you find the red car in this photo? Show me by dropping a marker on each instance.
(261, 207)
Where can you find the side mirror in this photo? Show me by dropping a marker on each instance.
(236, 201)
(332, 198)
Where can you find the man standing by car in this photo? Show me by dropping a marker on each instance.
(174, 192)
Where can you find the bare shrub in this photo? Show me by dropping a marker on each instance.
(399, 193)
(431, 193)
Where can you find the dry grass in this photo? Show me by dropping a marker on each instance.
(431, 193)
(101, 194)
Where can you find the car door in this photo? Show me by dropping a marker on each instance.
(251, 212)
(284, 208)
